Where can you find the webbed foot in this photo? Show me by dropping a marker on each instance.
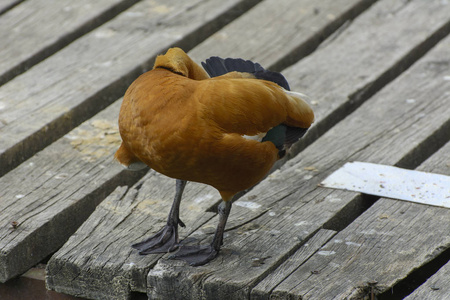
(166, 240)
(196, 255)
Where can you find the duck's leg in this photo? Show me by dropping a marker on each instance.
(200, 255)
(166, 240)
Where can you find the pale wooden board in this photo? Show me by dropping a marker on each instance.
(35, 29)
(73, 84)
(288, 207)
(108, 268)
(8, 4)
(438, 163)
(386, 243)
(278, 33)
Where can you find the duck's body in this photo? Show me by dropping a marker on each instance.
(183, 124)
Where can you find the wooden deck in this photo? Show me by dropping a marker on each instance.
(378, 74)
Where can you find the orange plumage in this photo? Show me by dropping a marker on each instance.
(188, 126)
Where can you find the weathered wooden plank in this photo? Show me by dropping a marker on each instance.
(356, 62)
(288, 207)
(435, 288)
(108, 268)
(5, 5)
(440, 161)
(263, 289)
(51, 194)
(385, 244)
(69, 87)
(34, 30)
(288, 31)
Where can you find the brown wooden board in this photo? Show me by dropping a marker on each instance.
(287, 208)
(69, 87)
(34, 30)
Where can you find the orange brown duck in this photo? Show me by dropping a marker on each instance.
(224, 125)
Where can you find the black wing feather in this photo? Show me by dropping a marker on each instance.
(216, 66)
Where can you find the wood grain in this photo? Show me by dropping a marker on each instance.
(435, 288)
(264, 288)
(383, 245)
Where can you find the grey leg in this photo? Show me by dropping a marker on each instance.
(166, 240)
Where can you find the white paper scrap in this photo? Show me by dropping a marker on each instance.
(392, 182)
